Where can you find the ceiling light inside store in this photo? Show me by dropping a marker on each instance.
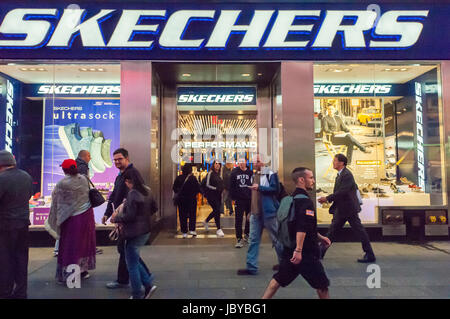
(259, 74)
(245, 74)
(186, 74)
(92, 70)
(33, 69)
(339, 70)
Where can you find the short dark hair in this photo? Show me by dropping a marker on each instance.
(298, 172)
(341, 158)
(122, 151)
(187, 169)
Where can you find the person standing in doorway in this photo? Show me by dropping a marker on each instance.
(303, 257)
(214, 188)
(16, 189)
(264, 206)
(187, 188)
(227, 201)
(346, 207)
(120, 192)
(240, 183)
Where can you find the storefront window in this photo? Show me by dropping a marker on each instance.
(387, 120)
(61, 110)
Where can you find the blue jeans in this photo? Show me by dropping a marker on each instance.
(257, 224)
(139, 276)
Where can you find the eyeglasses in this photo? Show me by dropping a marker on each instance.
(118, 159)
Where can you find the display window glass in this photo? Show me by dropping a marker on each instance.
(61, 110)
(387, 120)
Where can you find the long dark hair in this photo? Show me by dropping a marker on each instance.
(214, 163)
(136, 180)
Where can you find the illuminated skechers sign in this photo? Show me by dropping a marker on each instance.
(419, 136)
(352, 89)
(216, 96)
(56, 28)
(9, 116)
(79, 90)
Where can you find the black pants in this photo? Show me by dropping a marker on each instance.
(122, 271)
(188, 210)
(339, 221)
(215, 204)
(349, 141)
(13, 263)
(242, 206)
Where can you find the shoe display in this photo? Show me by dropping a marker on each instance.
(404, 180)
(70, 137)
(96, 156)
(86, 139)
(246, 272)
(220, 233)
(239, 244)
(149, 291)
(106, 153)
(97, 134)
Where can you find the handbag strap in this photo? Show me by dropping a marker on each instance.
(185, 180)
(89, 181)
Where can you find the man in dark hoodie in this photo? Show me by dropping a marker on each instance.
(240, 181)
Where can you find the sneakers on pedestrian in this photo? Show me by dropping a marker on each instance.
(85, 275)
(245, 238)
(98, 251)
(115, 285)
(239, 244)
(245, 272)
(184, 235)
(193, 233)
(205, 224)
(220, 233)
(96, 155)
(149, 291)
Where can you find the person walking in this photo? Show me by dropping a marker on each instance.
(122, 162)
(186, 187)
(214, 188)
(83, 159)
(227, 201)
(135, 231)
(16, 189)
(264, 206)
(240, 183)
(72, 218)
(346, 207)
(303, 257)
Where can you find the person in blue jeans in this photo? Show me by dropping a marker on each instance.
(264, 208)
(134, 224)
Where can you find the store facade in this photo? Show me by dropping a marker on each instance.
(177, 83)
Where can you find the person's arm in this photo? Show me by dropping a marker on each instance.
(195, 185)
(325, 240)
(208, 181)
(342, 123)
(345, 187)
(297, 254)
(273, 185)
(109, 208)
(325, 126)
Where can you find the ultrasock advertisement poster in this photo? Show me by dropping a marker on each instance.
(74, 125)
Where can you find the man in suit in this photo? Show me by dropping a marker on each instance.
(333, 124)
(346, 207)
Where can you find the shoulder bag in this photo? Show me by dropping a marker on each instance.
(176, 197)
(95, 197)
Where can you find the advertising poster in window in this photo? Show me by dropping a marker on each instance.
(72, 125)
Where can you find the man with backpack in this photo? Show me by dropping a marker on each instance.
(298, 235)
(263, 214)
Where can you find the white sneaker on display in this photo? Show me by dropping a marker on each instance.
(220, 233)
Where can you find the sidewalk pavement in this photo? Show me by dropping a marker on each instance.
(203, 268)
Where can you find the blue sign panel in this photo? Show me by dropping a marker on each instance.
(237, 32)
(214, 95)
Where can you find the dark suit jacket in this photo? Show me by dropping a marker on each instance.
(345, 201)
(333, 124)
